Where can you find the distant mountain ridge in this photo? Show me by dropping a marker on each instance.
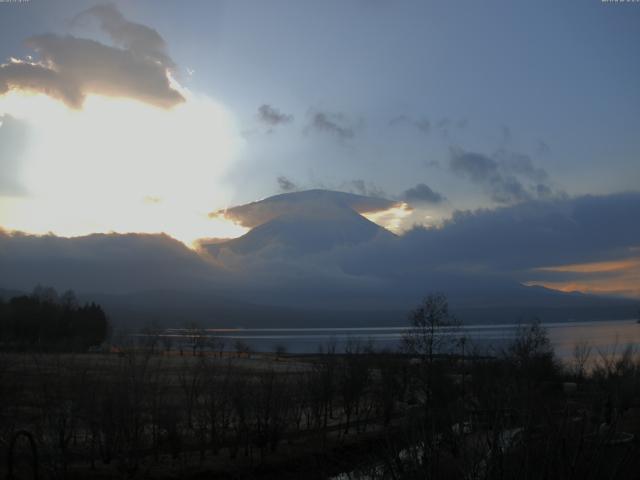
(313, 258)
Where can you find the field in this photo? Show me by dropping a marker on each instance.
(142, 412)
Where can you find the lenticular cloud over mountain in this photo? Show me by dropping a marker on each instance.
(303, 223)
(309, 203)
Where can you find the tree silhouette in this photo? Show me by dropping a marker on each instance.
(43, 320)
(432, 328)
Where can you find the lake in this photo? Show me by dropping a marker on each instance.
(601, 336)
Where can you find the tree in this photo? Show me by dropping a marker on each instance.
(196, 337)
(242, 348)
(531, 351)
(280, 350)
(432, 329)
(45, 294)
(167, 342)
(150, 337)
(353, 379)
(68, 300)
(44, 320)
(581, 354)
(216, 344)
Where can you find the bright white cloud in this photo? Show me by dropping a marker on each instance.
(94, 169)
(115, 143)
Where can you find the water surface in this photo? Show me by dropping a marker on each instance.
(602, 336)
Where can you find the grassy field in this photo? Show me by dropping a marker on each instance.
(148, 413)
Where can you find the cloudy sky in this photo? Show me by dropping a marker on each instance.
(148, 116)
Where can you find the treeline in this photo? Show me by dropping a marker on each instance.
(45, 320)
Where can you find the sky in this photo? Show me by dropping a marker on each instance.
(147, 116)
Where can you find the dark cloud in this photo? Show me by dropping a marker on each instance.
(507, 177)
(426, 126)
(543, 191)
(362, 187)
(485, 251)
(286, 185)
(13, 141)
(272, 116)
(107, 263)
(520, 164)
(542, 148)
(140, 40)
(70, 68)
(536, 233)
(357, 186)
(422, 193)
(423, 124)
(443, 123)
(443, 126)
(332, 123)
(478, 167)
(432, 163)
(38, 78)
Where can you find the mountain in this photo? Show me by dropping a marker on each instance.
(312, 258)
(303, 223)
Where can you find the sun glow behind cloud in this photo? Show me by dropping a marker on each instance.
(391, 218)
(94, 169)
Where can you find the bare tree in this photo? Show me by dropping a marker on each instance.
(167, 342)
(531, 351)
(242, 348)
(280, 350)
(581, 355)
(150, 337)
(353, 380)
(195, 336)
(432, 330)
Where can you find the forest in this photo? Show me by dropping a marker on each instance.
(46, 321)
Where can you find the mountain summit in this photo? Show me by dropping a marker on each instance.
(304, 222)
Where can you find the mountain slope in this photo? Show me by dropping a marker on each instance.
(306, 229)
